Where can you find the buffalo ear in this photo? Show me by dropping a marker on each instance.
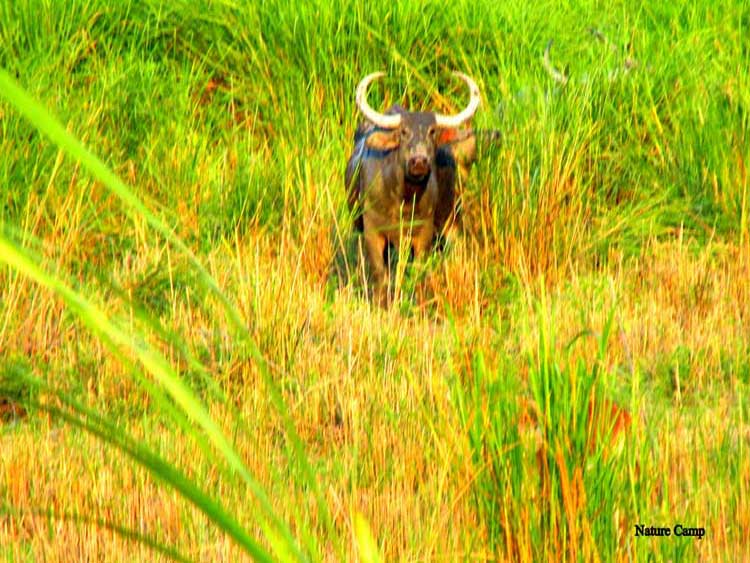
(446, 136)
(383, 140)
(453, 135)
(462, 143)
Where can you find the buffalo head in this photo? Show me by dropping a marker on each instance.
(415, 134)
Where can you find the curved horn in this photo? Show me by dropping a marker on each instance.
(458, 119)
(379, 119)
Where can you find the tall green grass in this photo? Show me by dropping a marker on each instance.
(550, 481)
(190, 414)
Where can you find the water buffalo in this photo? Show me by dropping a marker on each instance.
(401, 177)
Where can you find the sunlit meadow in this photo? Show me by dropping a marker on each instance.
(191, 367)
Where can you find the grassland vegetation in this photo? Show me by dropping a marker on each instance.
(190, 366)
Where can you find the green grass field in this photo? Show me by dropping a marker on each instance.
(190, 367)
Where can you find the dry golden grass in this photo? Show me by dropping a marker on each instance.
(368, 391)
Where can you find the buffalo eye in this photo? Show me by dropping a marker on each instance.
(434, 133)
(405, 134)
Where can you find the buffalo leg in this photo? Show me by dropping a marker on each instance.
(421, 242)
(420, 246)
(375, 244)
